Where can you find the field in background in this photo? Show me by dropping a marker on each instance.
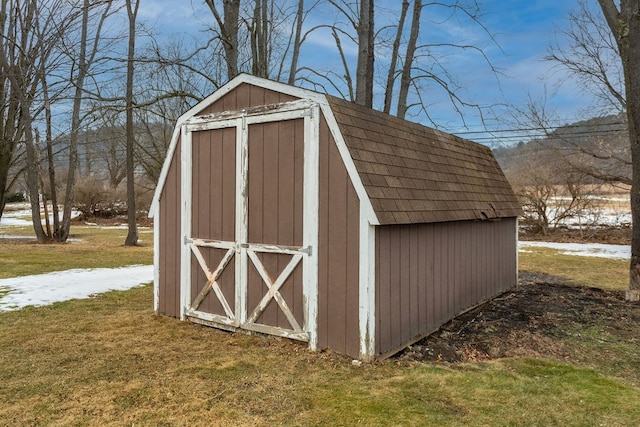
(585, 215)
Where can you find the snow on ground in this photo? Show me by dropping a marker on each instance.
(22, 218)
(599, 250)
(44, 289)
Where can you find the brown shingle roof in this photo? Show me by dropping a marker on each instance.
(415, 174)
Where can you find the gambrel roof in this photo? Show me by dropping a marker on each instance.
(415, 174)
(403, 172)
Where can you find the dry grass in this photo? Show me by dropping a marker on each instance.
(90, 247)
(110, 361)
(601, 273)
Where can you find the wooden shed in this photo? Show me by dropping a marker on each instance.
(284, 211)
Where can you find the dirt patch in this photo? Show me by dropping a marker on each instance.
(542, 317)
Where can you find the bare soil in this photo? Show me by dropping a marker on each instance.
(537, 319)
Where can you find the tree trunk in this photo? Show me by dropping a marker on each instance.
(625, 26)
(366, 54)
(391, 75)
(53, 192)
(260, 39)
(296, 43)
(632, 79)
(228, 24)
(75, 126)
(132, 235)
(33, 179)
(405, 78)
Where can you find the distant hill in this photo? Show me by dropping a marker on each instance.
(597, 147)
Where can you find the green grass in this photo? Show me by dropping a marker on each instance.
(90, 247)
(602, 273)
(110, 361)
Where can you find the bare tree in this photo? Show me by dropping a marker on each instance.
(551, 195)
(260, 35)
(89, 47)
(11, 127)
(297, 42)
(366, 54)
(31, 30)
(414, 66)
(132, 235)
(604, 57)
(624, 23)
(590, 53)
(393, 62)
(406, 75)
(227, 32)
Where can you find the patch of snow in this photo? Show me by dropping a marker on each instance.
(44, 289)
(22, 218)
(599, 250)
(14, 237)
(11, 219)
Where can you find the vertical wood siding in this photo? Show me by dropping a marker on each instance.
(246, 96)
(275, 180)
(169, 247)
(426, 274)
(169, 203)
(338, 248)
(213, 209)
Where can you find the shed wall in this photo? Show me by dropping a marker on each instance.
(169, 218)
(338, 251)
(169, 215)
(245, 96)
(276, 212)
(213, 199)
(426, 274)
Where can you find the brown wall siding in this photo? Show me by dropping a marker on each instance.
(426, 274)
(246, 96)
(338, 248)
(169, 206)
(213, 195)
(169, 250)
(338, 252)
(276, 161)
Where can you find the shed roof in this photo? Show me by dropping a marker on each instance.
(415, 174)
(408, 172)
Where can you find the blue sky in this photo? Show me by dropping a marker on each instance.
(523, 32)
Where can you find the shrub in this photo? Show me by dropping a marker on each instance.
(93, 198)
(16, 197)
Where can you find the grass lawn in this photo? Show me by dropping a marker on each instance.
(89, 247)
(610, 274)
(109, 360)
